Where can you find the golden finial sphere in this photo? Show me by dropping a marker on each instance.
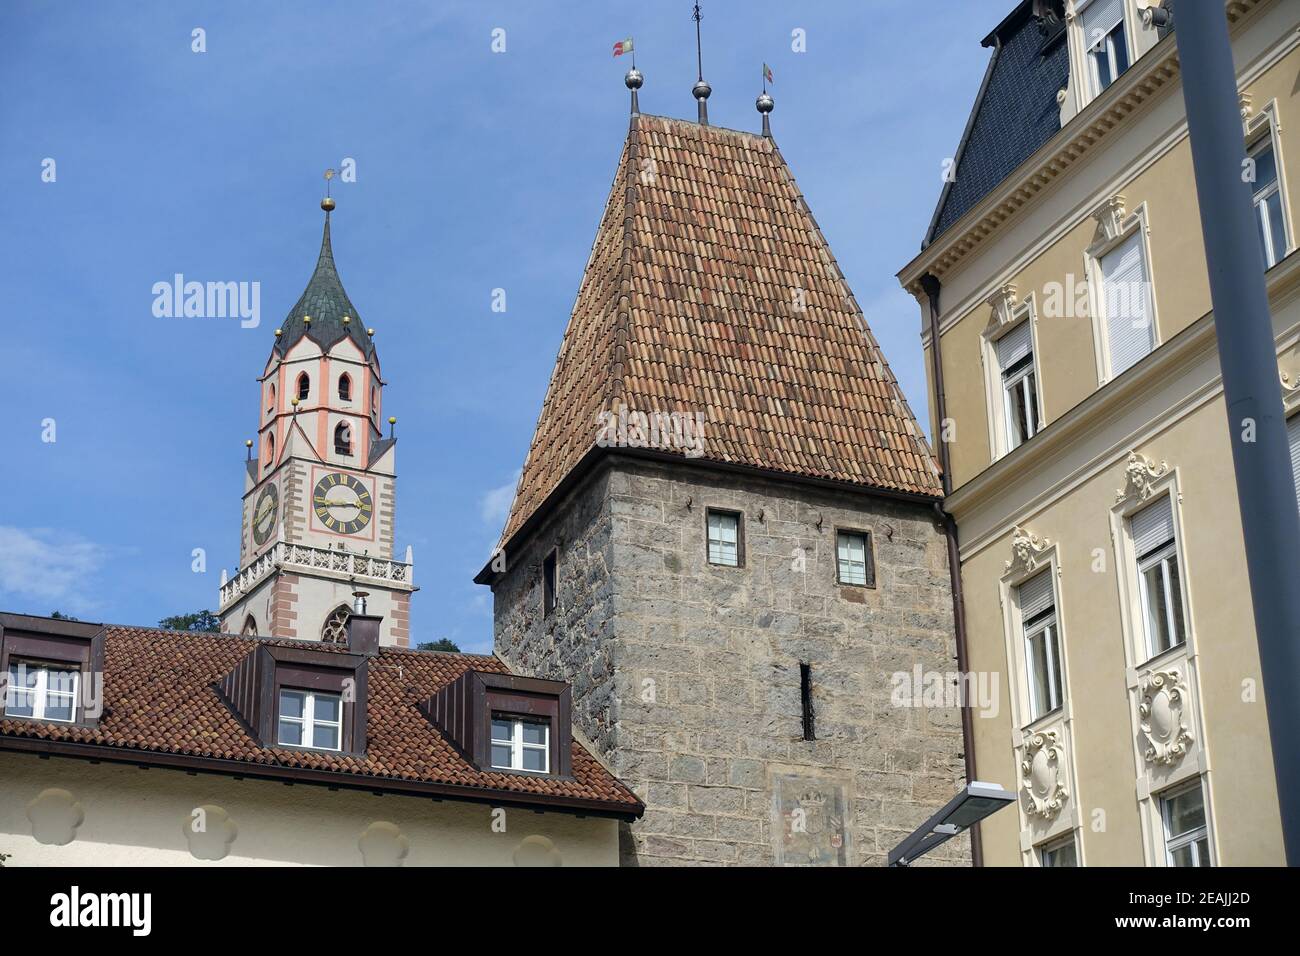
(306, 320)
(248, 443)
(347, 320)
(294, 400)
(370, 332)
(392, 419)
(279, 332)
(327, 204)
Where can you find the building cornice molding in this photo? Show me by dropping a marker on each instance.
(1154, 74)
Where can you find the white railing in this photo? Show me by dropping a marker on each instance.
(282, 554)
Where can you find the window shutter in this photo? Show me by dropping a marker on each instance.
(1293, 433)
(1153, 526)
(1125, 304)
(1100, 15)
(1015, 345)
(1036, 595)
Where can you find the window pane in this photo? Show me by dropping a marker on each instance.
(1265, 168)
(723, 535)
(59, 707)
(1276, 225)
(61, 681)
(1185, 812)
(501, 730)
(291, 703)
(1183, 856)
(325, 736)
(1060, 855)
(851, 557)
(534, 733)
(534, 759)
(328, 708)
(290, 733)
(1037, 646)
(1019, 415)
(19, 702)
(1157, 623)
(1176, 601)
(1119, 49)
(500, 755)
(1203, 851)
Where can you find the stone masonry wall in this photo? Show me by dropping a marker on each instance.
(686, 675)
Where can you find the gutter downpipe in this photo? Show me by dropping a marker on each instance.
(930, 285)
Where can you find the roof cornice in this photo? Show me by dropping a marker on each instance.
(1153, 75)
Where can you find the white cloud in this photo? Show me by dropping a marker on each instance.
(41, 564)
(495, 505)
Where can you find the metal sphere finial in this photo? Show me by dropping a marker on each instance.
(701, 90)
(327, 204)
(764, 103)
(633, 79)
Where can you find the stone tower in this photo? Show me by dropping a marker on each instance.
(319, 501)
(724, 532)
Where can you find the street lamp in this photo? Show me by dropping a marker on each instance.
(975, 802)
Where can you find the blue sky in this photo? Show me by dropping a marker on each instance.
(475, 171)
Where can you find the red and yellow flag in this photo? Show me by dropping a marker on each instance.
(623, 46)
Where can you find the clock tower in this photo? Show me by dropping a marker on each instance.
(319, 494)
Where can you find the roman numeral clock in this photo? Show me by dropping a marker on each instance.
(342, 503)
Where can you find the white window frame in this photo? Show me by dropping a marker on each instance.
(1264, 126)
(518, 745)
(1084, 83)
(1174, 843)
(1023, 718)
(1113, 233)
(1045, 627)
(1055, 846)
(1025, 381)
(709, 541)
(1106, 45)
(1163, 556)
(868, 577)
(1007, 316)
(308, 720)
(41, 691)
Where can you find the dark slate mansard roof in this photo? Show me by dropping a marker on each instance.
(1015, 111)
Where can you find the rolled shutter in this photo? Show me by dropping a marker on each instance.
(1036, 595)
(1100, 15)
(1126, 304)
(1015, 345)
(1293, 433)
(1153, 526)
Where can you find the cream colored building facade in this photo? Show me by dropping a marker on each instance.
(1103, 564)
(67, 813)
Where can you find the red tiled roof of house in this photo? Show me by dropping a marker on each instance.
(161, 699)
(711, 289)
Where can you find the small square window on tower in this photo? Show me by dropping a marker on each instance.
(853, 561)
(726, 547)
(548, 584)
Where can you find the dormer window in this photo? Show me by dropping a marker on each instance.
(1105, 41)
(304, 387)
(41, 690)
(343, 439)
(520, 743)
(345, 387)
(310, 719)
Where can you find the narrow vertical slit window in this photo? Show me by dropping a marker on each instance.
(805, 696)
(548, 584)
(1042, 644)
(1159, 577)
(304, 387)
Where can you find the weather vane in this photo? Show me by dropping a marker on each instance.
(327, 203)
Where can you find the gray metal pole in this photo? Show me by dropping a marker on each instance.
(1252, 393)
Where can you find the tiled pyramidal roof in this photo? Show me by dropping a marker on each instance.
(711, 290)
(327, 303)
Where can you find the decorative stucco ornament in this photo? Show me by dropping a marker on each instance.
(1161, 712)
(1027, 551)
(1139, 473)
(1041, 781)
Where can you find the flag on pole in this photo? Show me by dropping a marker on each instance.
(767, 73)
(623, 46)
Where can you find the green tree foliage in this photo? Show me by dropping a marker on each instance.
(441, 644)
(204, 621)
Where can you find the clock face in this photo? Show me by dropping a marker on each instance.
(342, 503)
(265, 513)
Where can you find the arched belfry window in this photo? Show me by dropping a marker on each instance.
(345, 387)
(304, 387)
(270, 399)
(270, 451)
(343, 439)
(335, 628)
(250, 627)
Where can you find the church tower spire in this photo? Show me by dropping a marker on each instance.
(319, 495)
